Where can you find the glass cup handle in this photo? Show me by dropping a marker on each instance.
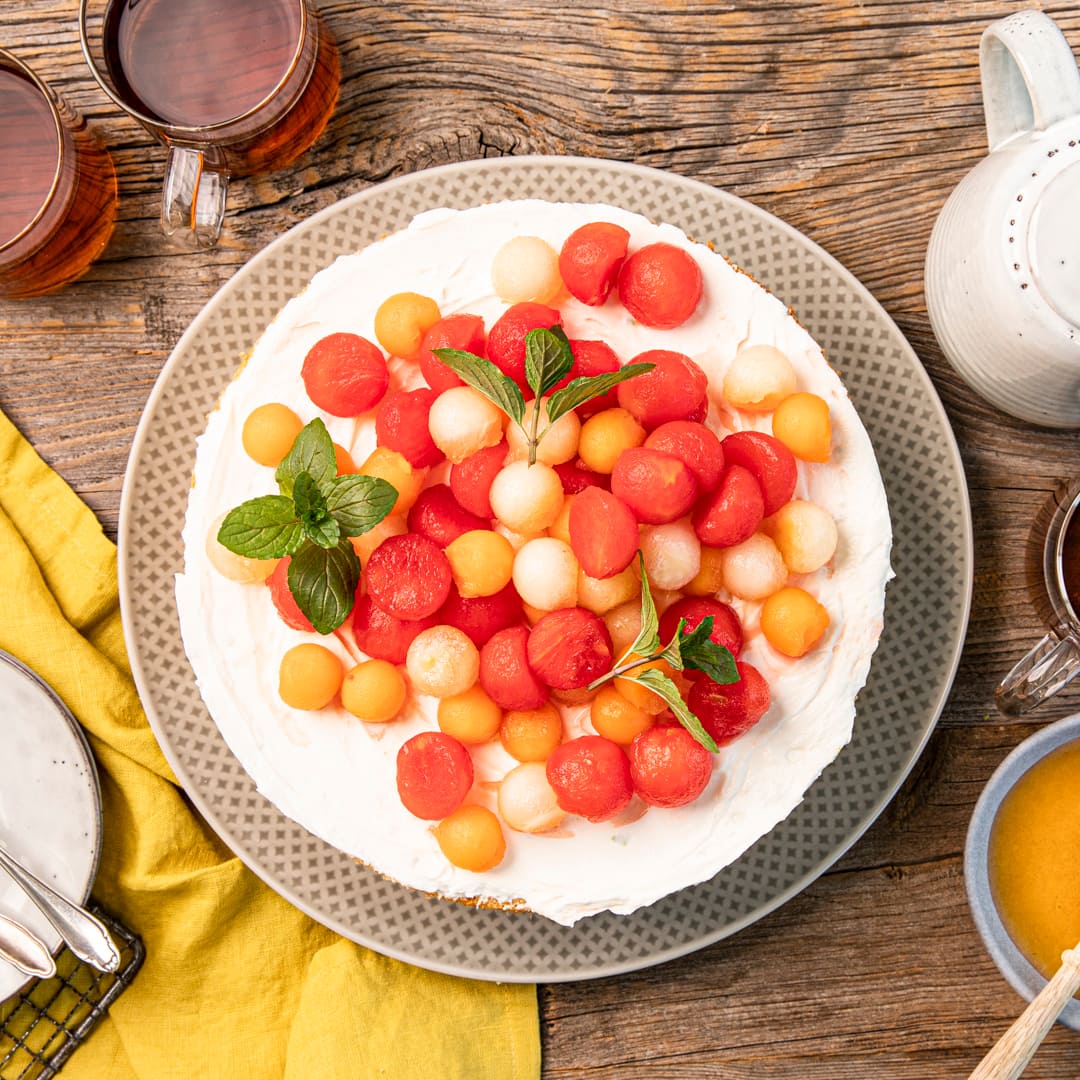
(1049, 666)
(193, 202)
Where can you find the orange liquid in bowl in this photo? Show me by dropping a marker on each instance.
(1034, 859)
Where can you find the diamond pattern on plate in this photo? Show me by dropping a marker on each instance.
(926, 610)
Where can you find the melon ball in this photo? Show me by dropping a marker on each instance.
(805, 533)
(560, 441)
(759, 378)
(269, 433)
(374, 691)
(624, 625)
(309, 676)
(527, 802)
(442, 661)
(754, 569)
(366, 543)
(526, 498)
(672, 554)
(517, 540)
(471, 838)
(546, 574)
(232, 566)
(600, 595)
(462, 421)
(526, 268)
(560, 527)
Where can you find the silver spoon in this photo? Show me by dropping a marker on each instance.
(23, 949)
(85, 935)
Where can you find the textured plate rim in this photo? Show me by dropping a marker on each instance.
(251, 858)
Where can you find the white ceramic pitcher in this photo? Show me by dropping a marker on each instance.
(1003, 265)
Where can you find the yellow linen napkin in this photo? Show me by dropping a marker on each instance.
(236, 982)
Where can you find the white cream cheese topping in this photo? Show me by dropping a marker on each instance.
(336, 775)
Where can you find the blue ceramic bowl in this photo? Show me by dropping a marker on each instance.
(1023, 978)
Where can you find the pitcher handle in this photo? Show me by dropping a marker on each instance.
(1044, 670)
(193, 202)
(1029, 76)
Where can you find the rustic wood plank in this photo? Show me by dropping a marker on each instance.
(851, 121)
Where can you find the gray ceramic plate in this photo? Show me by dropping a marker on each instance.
(926, 613)
(50, 806)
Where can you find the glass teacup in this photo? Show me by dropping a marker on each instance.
(57, 187)
(230, 89)
(1055, 660)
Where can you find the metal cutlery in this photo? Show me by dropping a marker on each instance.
(25, 950)
(84, 934)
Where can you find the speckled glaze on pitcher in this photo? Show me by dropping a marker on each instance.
(1003, 265)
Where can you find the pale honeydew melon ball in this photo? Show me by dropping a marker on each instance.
(760, 377)
(624, 625)
(600, 595)
(526, 498)
(754, 569)
(546, 574)
(527, 801)
(463, 421)
(672, 554)
(805, 533)
(526, 268)
(560, 441)
(232, 566)
(442, 661)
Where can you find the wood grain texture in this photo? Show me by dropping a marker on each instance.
(851, 121)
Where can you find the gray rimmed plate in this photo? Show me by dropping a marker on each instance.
(925, 619)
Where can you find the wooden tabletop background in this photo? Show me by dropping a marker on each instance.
(852, 122)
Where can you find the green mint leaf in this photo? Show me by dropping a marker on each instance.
(701, 653)
(547, 358)
(358, 503)
(587, 387)
(319, 526)
(323, 582)
(313, 453)
(484, 376)
(324, 531)
(663, 687)
(309, 500)
(264, 528)
(648, 640)
(672, 652)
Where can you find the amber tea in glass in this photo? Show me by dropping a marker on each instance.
(57, 187)
(231, 87)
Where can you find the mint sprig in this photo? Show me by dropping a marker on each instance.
(311, 521)
(693, 649)
(548, 358)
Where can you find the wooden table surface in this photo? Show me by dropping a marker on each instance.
(852, 122)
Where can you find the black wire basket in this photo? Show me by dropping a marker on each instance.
(43, 1025)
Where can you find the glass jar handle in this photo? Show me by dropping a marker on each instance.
(193, 202)
(1047, 668)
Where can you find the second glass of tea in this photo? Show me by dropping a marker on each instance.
(231, 87)
(1054, 661)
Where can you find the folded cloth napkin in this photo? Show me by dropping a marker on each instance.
(236, 981)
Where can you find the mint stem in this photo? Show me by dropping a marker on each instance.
(621, 669)
(533, 439)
